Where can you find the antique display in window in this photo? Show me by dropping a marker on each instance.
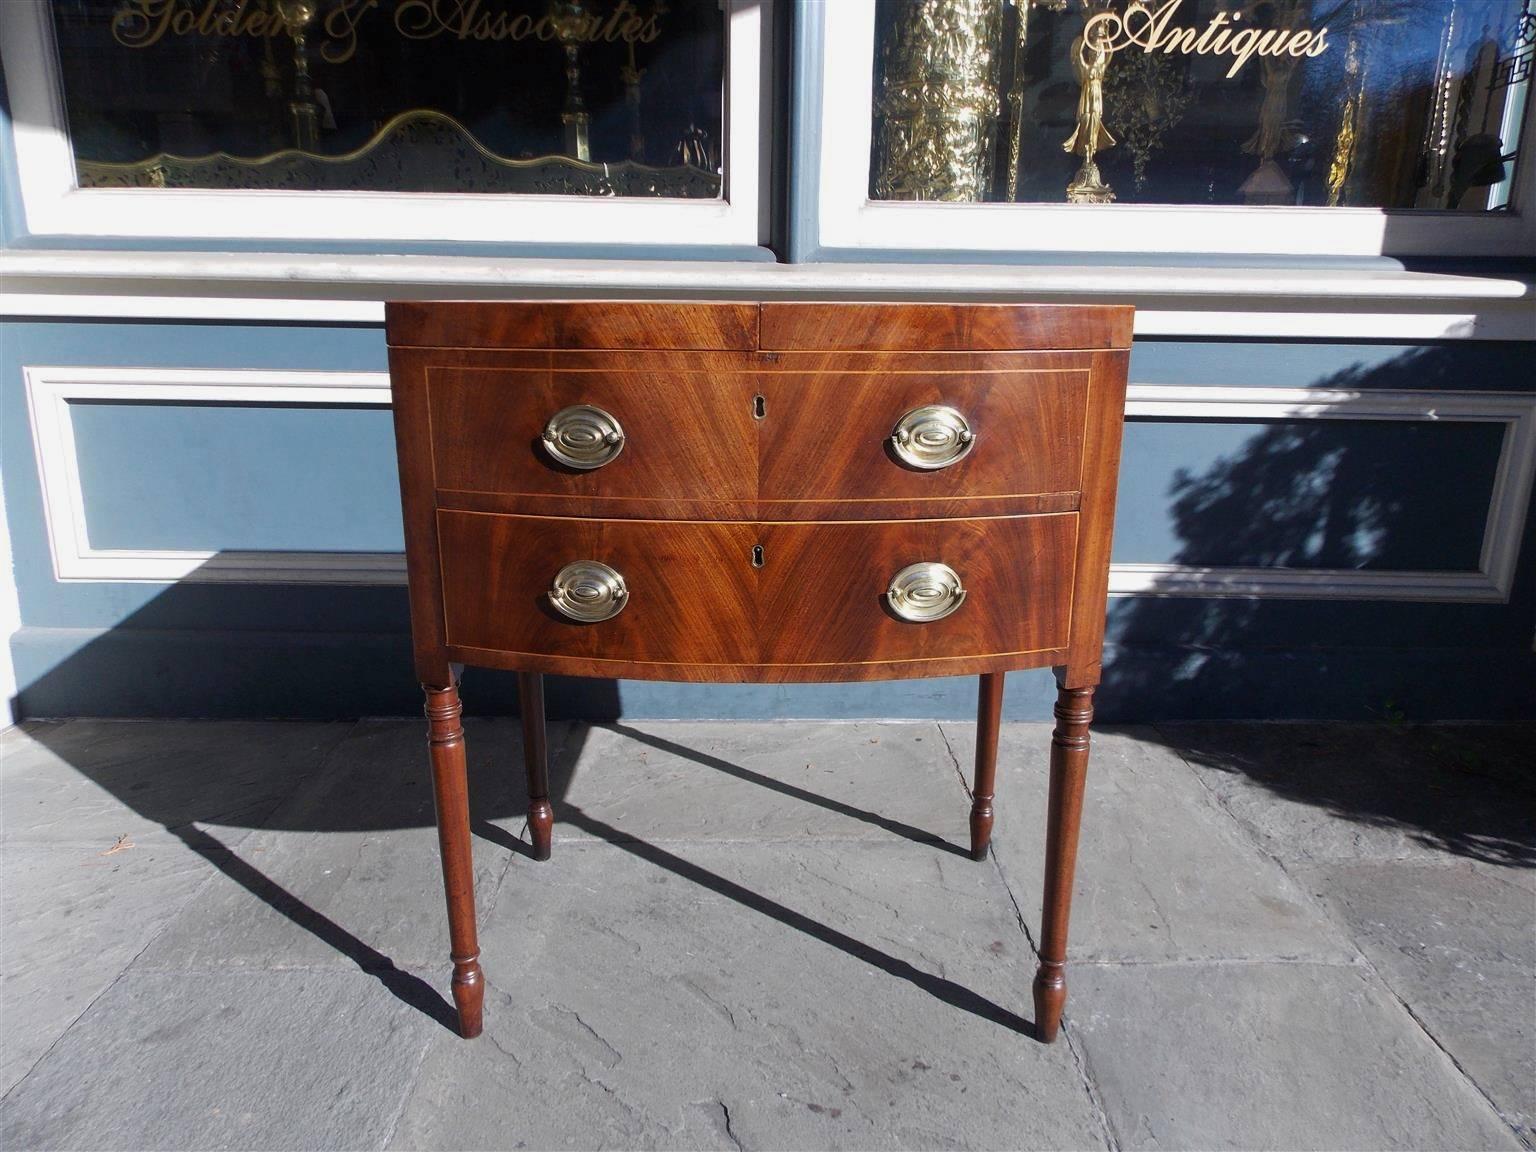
(1396, 104)
(579, 97)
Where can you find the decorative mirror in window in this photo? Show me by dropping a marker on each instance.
(1385, 104)
(613, 98)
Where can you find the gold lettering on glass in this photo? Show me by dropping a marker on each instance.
(144, 23)
(1152, 30)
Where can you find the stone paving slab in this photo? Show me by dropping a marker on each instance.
(349, 871)
(731, 949)
(779, 995)
(1458, 944)
(87, 782)
(662, 781)
(1156, 858)
(1265, 1056)
(1315, 792)
(73, 920)
(228, 1059)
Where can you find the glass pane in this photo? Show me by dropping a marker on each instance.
(568, 97)
(1403, 104)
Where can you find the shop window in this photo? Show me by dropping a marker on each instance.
(1362, 127)
(562, 97)
(1395, 104)
(619, 123)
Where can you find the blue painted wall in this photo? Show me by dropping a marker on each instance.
(1306, 493)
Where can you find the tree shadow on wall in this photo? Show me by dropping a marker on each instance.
(1350, 496)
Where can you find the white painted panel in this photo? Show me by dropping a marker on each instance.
(50, 389)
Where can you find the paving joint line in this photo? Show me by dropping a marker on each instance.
(953, 759)
(410, 1090)
(197, 891)
(1079, 1061)
(1365, 962)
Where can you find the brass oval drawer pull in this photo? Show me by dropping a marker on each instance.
(931, 437)
(583, 436)
(588, 591)
(925, 591)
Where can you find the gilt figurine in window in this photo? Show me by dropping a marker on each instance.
(1090, 60)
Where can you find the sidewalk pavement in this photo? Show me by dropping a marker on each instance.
(767, 935)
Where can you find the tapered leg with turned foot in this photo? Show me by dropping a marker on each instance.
(989, 715)
(1069, 768)
(541, 817)
(450, 790)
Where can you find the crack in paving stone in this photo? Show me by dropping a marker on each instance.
(616, 1055)
(719, 1007)
(730, 1130)
(505, 1051)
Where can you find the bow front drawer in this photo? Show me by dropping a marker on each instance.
(649, 428)
(688, 588)
(829, 594)
(778, 601)
(889, 430)
(772, 436)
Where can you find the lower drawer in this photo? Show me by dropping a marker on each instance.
(760, 595)
(690, 587)
(822, 589)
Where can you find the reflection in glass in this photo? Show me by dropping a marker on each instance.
(575, 97)
(1402, 104)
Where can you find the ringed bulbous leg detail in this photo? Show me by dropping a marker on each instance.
(1069, 769)
(989, 715)
(541, 816)
(450, 791)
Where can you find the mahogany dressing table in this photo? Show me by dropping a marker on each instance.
(740, 492)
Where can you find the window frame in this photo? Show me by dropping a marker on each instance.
(55, 206)
(836, 51)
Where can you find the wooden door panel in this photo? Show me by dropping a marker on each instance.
(822, 588)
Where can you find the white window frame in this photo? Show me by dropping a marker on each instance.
(55, 206)
(846, 218)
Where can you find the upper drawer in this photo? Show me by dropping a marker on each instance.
(686, 435)
(828, 435)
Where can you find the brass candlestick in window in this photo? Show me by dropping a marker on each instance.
(1090, 60)
(631, 74)
(938, 103)
(297, 15)
(569, 18)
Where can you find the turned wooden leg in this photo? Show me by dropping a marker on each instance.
(450, 790)
(1069, 768)
(989, 714)
(541, 817)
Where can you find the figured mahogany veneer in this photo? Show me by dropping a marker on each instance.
(814, 610)
(756, 515)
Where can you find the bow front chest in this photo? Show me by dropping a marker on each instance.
(744, 492)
